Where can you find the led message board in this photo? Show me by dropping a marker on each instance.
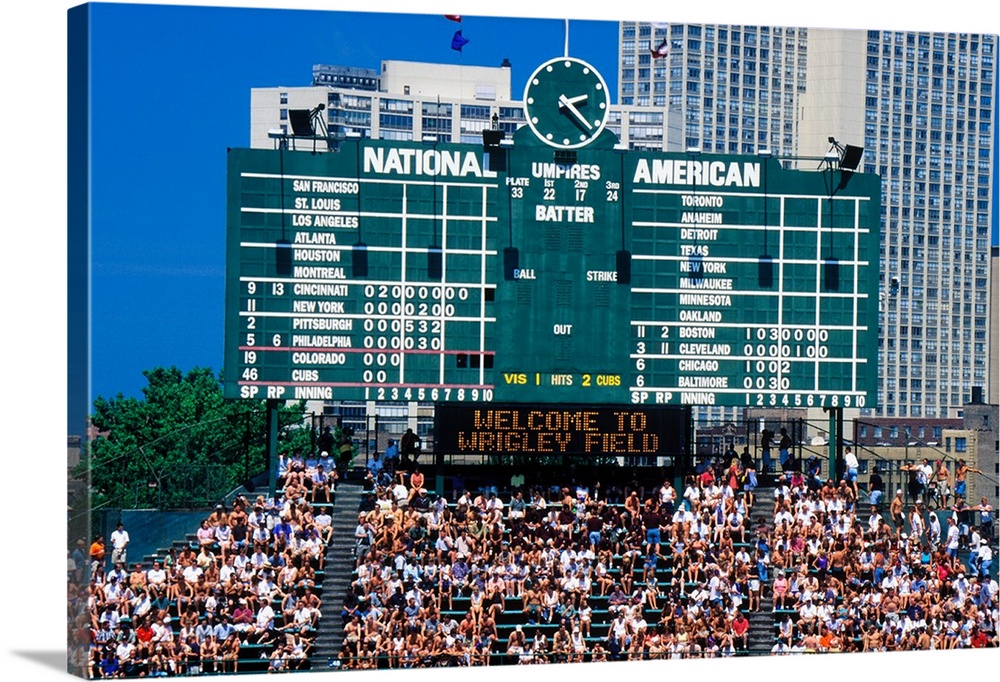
(543, 429)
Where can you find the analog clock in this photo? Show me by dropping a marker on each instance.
(566, 102)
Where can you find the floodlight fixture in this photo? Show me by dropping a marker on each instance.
(851, 158)
(301, 122)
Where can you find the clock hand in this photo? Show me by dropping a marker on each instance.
(566, 103)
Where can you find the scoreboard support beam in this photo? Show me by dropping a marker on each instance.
(836, 445)
(272, 447)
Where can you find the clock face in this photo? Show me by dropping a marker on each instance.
(567, 103)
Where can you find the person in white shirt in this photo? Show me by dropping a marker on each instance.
(951, 541)
(985, 554)
(668, 496)
(264, 623)
(692, 496)
(924, 473)
(324, 524)
(875, 520)
(851, 469)
(119, 543)
(934, 530)
(156, 575)
(916, 523)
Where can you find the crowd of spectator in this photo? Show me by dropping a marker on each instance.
(247, 578)
(579, 570)
(847, 579)
(550, 553)
(545, 573)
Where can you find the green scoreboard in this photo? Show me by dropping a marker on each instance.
(554, 269)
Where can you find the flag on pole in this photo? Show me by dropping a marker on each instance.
(660, 51)
(458, 41)
(454, 17)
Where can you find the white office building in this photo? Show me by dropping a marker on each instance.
(418, 101)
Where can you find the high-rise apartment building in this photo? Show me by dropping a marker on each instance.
(923, 106)
(734, 89)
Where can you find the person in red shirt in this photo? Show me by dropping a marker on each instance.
(979, 639)
(741, 631)
(144, 637)
(707, 477)
(242, 617)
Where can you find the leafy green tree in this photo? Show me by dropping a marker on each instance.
(182, 445)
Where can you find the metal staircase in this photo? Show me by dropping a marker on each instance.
(339, 565)
(762, 621)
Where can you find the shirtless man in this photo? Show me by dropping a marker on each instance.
(961, 472)
(896, 512)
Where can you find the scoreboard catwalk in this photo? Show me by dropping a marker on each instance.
(592, 275)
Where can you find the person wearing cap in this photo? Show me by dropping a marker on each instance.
(896, 511)
(242, 618)
(984, 554)
(321, 482)
(422, 503)
(409, 446)
(218, 515)
(324, 459)
(933, 529)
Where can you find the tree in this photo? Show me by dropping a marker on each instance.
(183, 445)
